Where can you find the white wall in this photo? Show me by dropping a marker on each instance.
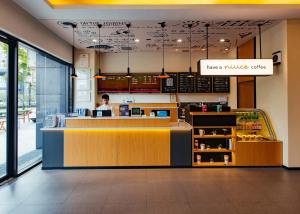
(271, 91)
(151, 62)
(17, 22)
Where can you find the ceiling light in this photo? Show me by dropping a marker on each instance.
(163, 75)
(222, 40)
(95, 40)
(190, 68)
(179, 40)
(176, 49)
(128, 75)
(203, 49)
(226, 49)
(137, 40)
(73, 75)
(99, 75)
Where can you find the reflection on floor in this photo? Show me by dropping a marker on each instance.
(25, 161)
(162, 191)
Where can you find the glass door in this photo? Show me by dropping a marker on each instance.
(3, 107)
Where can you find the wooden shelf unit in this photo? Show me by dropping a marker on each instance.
(213, 136)
(198, 120)
(212, 150)
(208, 164)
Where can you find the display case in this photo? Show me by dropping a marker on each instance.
(254, 125)
(257, 144)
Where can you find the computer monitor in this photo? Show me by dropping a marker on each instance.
(162, 114)
(136, 112)
(102, 113)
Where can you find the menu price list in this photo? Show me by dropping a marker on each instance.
(203, 84)
(185, 84)
(169, 85)
(221, 84)
(147, 83)
(113, 84)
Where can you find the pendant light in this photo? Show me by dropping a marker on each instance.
(99, 75)
(128, 75)
(191, 75)
(259, 29)
(163, 75)
(73, 75)
(207, 26)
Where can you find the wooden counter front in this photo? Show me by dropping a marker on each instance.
(267, 153)
(117, 147)
(88, 122)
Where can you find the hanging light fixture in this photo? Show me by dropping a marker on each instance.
(163, 75)
(191, 75)
(73, 75)
(207, 26)
(259, 31)
(128, 75)
(99, 75)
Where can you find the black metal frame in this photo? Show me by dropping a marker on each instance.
(4, 40)
(12, 100)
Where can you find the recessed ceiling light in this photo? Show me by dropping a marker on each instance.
(95, 40)
(222, 40)
(176, 49)
(137, 40)
(226, 49)
(203, 49)
(179, 40)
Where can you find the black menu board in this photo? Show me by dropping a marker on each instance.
(169, 85)
(145, 83)
(203, 84)
(185, 84)
(221, 84)
(113, 84)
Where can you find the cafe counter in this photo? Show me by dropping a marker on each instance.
(88, 142)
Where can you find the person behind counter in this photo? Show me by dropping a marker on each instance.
(105, 104)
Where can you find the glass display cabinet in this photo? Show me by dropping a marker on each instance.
(254, 125)
(257, 144)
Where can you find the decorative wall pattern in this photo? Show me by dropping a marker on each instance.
(149, 34)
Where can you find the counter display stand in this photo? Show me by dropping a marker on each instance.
(214, 138)
(257, 144)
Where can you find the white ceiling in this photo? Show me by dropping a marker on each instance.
(237, 23)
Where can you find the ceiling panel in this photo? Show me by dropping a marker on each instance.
(149, 34)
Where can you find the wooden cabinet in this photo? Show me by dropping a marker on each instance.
(268, 153)
(113, 147)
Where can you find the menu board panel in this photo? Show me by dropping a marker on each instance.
(203, 84)
(185, 84)
(113, 84)
(169, 85)
(145, 83)
(221, 84)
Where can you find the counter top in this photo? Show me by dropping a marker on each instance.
(118, 118)
(173, 126)
(213, 113)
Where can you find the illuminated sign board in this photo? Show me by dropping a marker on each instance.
(236, 67)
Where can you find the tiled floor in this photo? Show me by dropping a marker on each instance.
(161, 191)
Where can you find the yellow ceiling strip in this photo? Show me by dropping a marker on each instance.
(70, 3)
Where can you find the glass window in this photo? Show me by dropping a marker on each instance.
(42, 91)
(3, 107)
